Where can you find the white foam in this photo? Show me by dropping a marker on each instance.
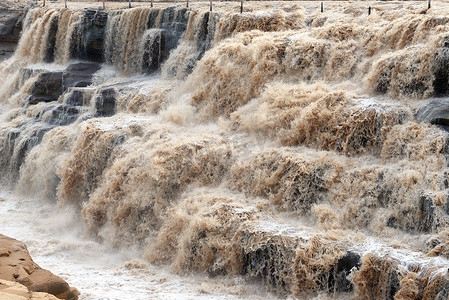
(54, 239)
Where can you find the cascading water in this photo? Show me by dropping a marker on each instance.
(280, 147)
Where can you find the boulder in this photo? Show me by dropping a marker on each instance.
(62, 114)
(6, 50)
(435, 112)
(11, 21)
(79, 74)
(75, 98)
(15, 291)
(48, 87)
(16, 265)
(105, 102)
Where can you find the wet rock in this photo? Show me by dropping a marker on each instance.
(155, 52)
(426, 210)
(444, 294)
(51, 41)
(105, 102)
(48, 87)
(11, 21)
(205, 34)
(62, 114)
(75, 98)
(174, 22)
(344, 266)
(19, 267)
(435, 112)
(271, 263)
(79, 74)
(162, 40)
(153, 17)
(91, 36)
(7, 142)
(24, 75)
(24, 139)
(441, 68)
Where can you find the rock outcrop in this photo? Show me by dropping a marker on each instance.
(91, 35)
(15, 291)
(16, 265)
(105, 102)
(435, 112)
(11, 21)
(50, 85)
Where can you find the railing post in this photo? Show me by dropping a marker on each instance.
(43, 4)
(210, 5)
(369, 10)
(428, 5)
(65, 3)
(322, 7)
(187, 5)
(129, 2)
(241, 6)
(151, 3)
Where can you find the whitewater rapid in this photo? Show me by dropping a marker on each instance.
(54, 239)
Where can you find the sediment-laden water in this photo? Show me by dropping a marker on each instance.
(288, 152)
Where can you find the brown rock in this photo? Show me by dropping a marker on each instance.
(15, 291)
(4, 252)
(16, 265)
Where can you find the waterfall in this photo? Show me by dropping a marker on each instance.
(281, 145)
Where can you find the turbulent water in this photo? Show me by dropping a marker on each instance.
(278, 152)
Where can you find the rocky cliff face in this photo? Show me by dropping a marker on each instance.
(15, 291)
(16, 265)
(11, 21)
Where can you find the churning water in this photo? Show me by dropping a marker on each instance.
(281, 152)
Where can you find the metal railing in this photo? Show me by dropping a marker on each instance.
(188, 2)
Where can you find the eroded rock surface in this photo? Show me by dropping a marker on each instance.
(15, 291)
(11, 21)
(16, 265)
